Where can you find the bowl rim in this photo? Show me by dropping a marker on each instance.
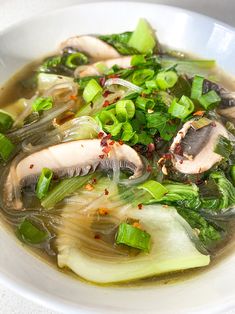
(31, 292)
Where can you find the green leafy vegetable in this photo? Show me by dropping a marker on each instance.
(30, 233)
(44, 183)
(6, 121)
(133, 237)
(120, 42)
(143, 38)
(42, 103)
(6, 147)
(223, 147)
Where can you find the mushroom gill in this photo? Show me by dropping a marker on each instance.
(76, 158)
(193, 149)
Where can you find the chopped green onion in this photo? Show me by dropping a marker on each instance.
(156, 189)
(44, 183)
(139, 77)
(42, 103)
(133, 237)
(166, 79)
(152, 84)
(144, 103)
(182, 108)
(91, 90)
(63, 189)
(143, 38)
(31, 233)
(75, 59)
(6, 121)
(209, 99)
(197, 87)
(137, 59)
(201, 123)
(110, 123)
(6, 147)
(101, 67)
(128, 132)
(232, 173)
(125, 109)
(223, 147)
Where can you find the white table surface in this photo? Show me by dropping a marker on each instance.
(12, 11)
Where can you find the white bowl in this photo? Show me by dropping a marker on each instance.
(211, 292)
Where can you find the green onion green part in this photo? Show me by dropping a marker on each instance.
(128, 132)
(209, 99)
(42, 103)
(125, 109)
(181, 109)
(137, 60)
(143, 38)
(110, 123)
(43, 183)
(6, 147)
(223, 147)
(133, 237)
(63, 189)
(140, 76)
(75, 59)
(6, 121)
(232, 173)
(91, 90)
(156, 189)
(30, 233)
(166, 79)
(144, 103)
(197, 87)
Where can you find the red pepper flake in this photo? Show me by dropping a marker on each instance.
(102, 81)
(73, 97)
(213, 124)
(106, 149)
(94, 181)
(97, 236)
(112, 143)
(151, 147)
(199, 113)
(113, 76)
(100, 135)
(181, 161)
(105, 139)
(106, 103)
(106, 192)
(103, 211)
(120, 142)
(31, 166)
(149, 168)
(89, 187)
(101, 156)
(167, 156)
(106, 93)
(178, 150)
(140, 206)
(144, 95)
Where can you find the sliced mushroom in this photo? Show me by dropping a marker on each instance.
(193, 150)
(92, 46)
(227, 105)
(70, 159)
(93, 69)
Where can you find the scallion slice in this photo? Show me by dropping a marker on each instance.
(166, 79)
(156, 189)
(91, 90)
(133, 237)
(125, 109)
(42, 103)
(44, 183)
(30, 233)
(110, 123)
(139, 77)
(128, 132)
(144, 103)
(209, 99)
(6, 147)
(6, 121)
(137, 59)
(75, 59)
(181, 109)
(223, 147)
(197, 87)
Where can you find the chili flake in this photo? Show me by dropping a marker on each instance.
(106, 192)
